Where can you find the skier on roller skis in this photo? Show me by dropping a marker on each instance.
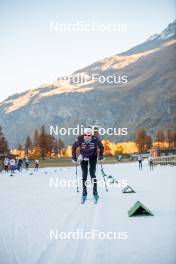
(12, 166)
(88, 145)
(6, 164)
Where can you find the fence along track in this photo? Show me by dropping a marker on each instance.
(165, 160)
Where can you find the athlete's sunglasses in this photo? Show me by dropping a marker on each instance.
(87, 135)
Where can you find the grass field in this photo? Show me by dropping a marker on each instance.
(67, 162)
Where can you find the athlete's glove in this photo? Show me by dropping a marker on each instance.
(101, 158)
(74, 159)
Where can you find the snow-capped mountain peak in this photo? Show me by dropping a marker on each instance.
(166, 33)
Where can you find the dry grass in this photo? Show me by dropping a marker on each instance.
(67, 162)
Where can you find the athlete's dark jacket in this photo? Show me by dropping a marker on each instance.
(87, 150)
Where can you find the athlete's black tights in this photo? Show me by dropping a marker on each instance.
(92, 168)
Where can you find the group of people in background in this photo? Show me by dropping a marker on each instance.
(17, 164)
(140, 159)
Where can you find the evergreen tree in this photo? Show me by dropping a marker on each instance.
(20, 148)
(28, 145)
(148, 142)
(4, 148)
(170, 138)
(61, 147)
(36, 138)
(43, 142)
(160, 137)
(174, 138)
(51, 141)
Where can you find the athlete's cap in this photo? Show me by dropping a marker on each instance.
(88, 131)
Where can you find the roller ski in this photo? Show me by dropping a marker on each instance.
(83, 199)
(96, 197)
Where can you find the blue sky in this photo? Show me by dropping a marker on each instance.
(31, 55)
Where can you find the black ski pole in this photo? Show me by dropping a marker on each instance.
(76, 177)
(104, 177)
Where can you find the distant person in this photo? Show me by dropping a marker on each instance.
(20, 164)
(119, 157)
(27, 163)
(150, 159)
(139, 158)
(12, 166)
(6, 164)
(36, 164)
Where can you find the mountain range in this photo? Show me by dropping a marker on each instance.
(147, 100)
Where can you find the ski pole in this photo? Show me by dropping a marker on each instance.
(76, 178)
(104, 177)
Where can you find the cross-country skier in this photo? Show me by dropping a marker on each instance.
(119, 157)
(88, 145)
(12, 166)
(6, 164)
(27, 163)
(139, 158)
(150, 159)
(20, 164)
(36, 164)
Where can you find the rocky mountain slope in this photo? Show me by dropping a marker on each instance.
(147, 100)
